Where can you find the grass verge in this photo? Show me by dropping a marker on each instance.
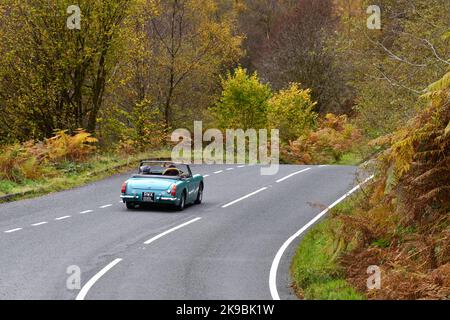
(315, 267)
(69, 175)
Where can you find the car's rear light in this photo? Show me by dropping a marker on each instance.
(173, 190)
(124, 187)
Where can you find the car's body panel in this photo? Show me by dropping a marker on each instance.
(158, 188)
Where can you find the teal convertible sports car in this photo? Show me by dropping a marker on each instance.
(162, 182)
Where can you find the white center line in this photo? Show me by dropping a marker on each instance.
(39, 223)
(82, 294)
(170, 230)
(62, 218)
(277, 259)
(292, 174)
(206, 175)
(105, 206)
(244, 197)
(241, 166)
(86, 211)
(12, 230)
(230, 169)
(218, 171)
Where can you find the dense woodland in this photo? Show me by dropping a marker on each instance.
(338, 91)
(139, 67)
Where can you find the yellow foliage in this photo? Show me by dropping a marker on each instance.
(64, 147)
(17, 164)
(291, 111)
(30, 160)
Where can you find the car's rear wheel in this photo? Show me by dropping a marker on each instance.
(130, 205)
(181, 205)
(199, 195)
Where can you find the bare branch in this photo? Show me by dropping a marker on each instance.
(435, 52)
(393, 55)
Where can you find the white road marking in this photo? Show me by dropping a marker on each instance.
(62, 218)
(277, 259)
(171, 230)
(323, 165)
(206, 175)
(13, 230)
(83, 292)
(105, 206)
(244, 197)
(220, 171)
(292, 174)
(241, 166)
(39, 223)
(86, 211)
(229, 169)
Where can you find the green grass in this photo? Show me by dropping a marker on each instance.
(7, 186)
(332, 290)
(315, 269)
(69, 175)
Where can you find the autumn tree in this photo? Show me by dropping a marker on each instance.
(291, 110)
(53, 77)
(190, 44)
(244, 101)
(392, 66)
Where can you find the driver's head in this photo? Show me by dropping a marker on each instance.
(145, 169)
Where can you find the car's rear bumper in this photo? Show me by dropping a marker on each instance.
(125, 197)
(158, 199)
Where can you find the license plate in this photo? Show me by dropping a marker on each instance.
(148, 196)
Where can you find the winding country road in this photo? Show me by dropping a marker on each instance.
(224, 248)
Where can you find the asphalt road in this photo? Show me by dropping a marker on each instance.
(220, 249)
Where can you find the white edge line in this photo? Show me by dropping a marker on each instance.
(39, 223)
(292, 174)
(244, 197)
(105, 206)
(62, 218)
(86, 211)
(82, 294)
(170, 230)
(13, 230)
(277, 259)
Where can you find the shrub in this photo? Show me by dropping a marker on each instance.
(334, 136)
(244, 101)
(291, 111)
(30, 160)
(64, 147)
(17, 164)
